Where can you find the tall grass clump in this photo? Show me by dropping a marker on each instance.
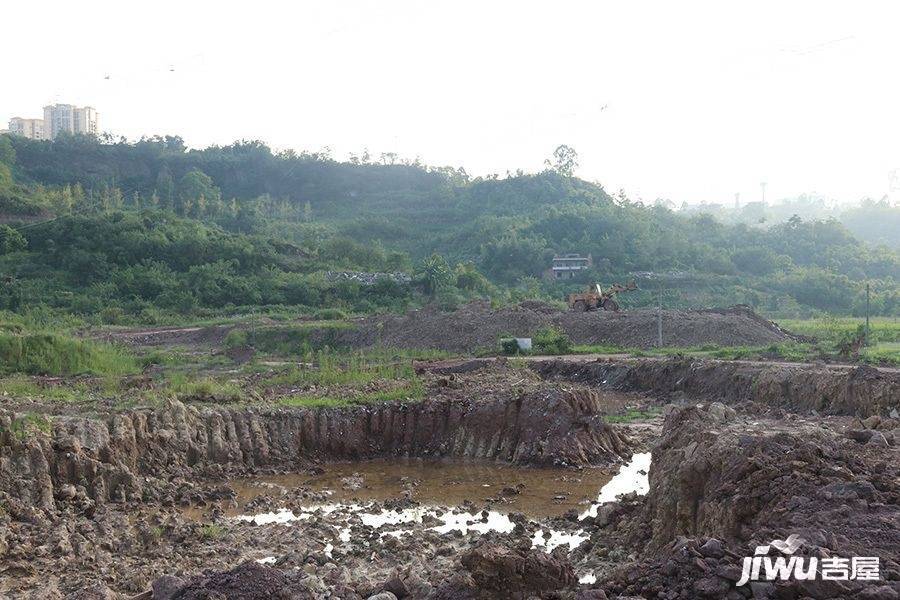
(57, 355)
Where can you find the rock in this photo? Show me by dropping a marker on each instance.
(396, 586)
(383, 596)
(878, 440)
(872, 422)
(517, 572)
(860, 435)
(895, 414)
(605, 513)
(713, 548)
(165, 587)
(67, 492)
(721, 412)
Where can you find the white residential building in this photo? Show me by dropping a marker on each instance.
(66, 118)
(30, 128)
(86, 120)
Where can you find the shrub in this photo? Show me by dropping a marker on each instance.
(236, 338)
(551, 340)
(509, 346)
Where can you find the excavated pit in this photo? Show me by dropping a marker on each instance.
(104, 506)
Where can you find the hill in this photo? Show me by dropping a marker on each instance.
(137, 229)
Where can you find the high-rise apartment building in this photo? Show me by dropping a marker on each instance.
(85, 120)
(58, 118)
(30, 128)
(66, 118)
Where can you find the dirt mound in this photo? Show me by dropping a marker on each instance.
(722, 484)
(477, 325)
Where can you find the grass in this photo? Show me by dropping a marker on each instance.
(211, 531)
(299, 339)
(352, 369)
(19, 386)
(182, 387)
(58, 355)
(884, 329)
(632, 416)
(20, 427)
(409, 391)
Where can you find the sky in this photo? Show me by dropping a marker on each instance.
(688, 101)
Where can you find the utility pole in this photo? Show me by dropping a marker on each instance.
(762, 187)
(867, 313)
(659, 314)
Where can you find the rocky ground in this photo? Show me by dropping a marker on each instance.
(95, 507)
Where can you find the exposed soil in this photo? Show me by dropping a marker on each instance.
(862, 391)
(722, 483)
(477, 326)
(97, 506)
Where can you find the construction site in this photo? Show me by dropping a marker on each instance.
(451, 475)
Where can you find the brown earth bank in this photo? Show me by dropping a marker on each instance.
(861, 391)
(477, 326)
(722, 483)
(109, 457)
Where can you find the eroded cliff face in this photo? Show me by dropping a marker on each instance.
(113, 457)
(858, 391)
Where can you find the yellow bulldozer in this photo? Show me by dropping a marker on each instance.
(595, 298)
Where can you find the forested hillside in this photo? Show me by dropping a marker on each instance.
(132, 231)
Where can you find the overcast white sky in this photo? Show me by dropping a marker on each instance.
(702, 99)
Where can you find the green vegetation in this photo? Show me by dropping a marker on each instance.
(151, 232)
(351, 369)
(299, 340)
(211, 531)
(551, 340)
(22, 426)
(410, 391)
(884, 329)
(50, 354)
(632, 416)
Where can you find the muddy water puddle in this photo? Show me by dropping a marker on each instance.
(347, 495)
(535, 492)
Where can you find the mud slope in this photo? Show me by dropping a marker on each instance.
(860, 391)
(111, 457)
(722, 484)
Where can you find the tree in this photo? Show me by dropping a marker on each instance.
(165, 188)
(11, 240)
(434, 273)
(564, 160)
(7, 152)
(194, 189)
